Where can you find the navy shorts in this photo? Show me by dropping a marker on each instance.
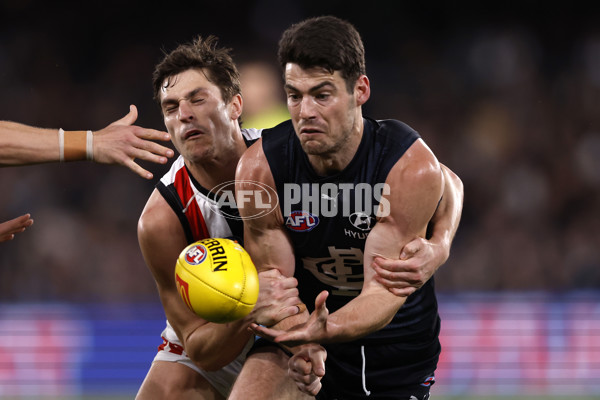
(372, 372)
(376, 372)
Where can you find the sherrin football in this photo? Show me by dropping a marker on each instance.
(217, 280)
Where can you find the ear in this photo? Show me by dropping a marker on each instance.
(362, 90)
(236, 106)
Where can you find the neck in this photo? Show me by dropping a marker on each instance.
(217, 170)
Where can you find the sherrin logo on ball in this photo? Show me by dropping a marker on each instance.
(217, 280)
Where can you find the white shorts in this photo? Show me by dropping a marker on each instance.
(172, 350)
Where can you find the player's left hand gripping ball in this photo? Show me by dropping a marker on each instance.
(217, 280)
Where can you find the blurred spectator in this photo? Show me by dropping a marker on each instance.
(262, 91)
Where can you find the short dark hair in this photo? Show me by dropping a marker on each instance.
(328, 42)
(200, 54)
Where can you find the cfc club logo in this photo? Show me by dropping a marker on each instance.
(301, 221)
(195, 255)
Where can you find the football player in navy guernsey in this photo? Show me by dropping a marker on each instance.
(198, 89)
(352, 191)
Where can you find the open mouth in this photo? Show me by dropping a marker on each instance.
(192, 133)
(310, 131)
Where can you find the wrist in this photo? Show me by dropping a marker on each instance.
(442, 249)
(75, 145)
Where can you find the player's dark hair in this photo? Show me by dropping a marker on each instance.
(200, 54)
(327, 42)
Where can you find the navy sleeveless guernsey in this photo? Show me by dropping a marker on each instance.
(329, 230)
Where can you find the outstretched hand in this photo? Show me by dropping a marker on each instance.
(307, 366)
(314, 330)
(418, 261)
(122, 142)
(9, 228)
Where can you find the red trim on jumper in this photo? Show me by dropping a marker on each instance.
(193, 214)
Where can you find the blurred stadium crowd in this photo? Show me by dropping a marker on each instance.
(509, 102)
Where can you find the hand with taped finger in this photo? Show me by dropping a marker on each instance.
(277, 299)
(314, 330)
(307, 366)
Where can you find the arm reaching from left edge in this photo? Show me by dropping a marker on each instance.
(9, 228)
(421, 257)
(120, 143)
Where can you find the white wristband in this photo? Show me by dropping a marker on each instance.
(89, 146)
(61, 145)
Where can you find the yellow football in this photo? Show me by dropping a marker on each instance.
(217, 280)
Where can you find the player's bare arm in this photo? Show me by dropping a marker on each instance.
(264, 237)
(119, 143)
(422, 257)
(161, 239)
(270, 249)
(416, 185)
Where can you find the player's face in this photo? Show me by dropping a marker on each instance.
(199, 121)
(325, 116)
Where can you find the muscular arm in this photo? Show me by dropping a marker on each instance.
(447, 216)
(421, 257)
(265, 238)
(119, 143)
(161, 239)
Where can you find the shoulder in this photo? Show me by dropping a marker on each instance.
(279, 132)
(393, 125)
(253, 164)
(396, 131)
(417, 175)
(157, 218)
(251, 135)
(170, 176)
(419, 162)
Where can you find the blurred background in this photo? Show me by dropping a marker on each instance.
(507, 96)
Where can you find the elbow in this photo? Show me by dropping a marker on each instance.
(210, 365)
(206, 361)
(455, 182)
